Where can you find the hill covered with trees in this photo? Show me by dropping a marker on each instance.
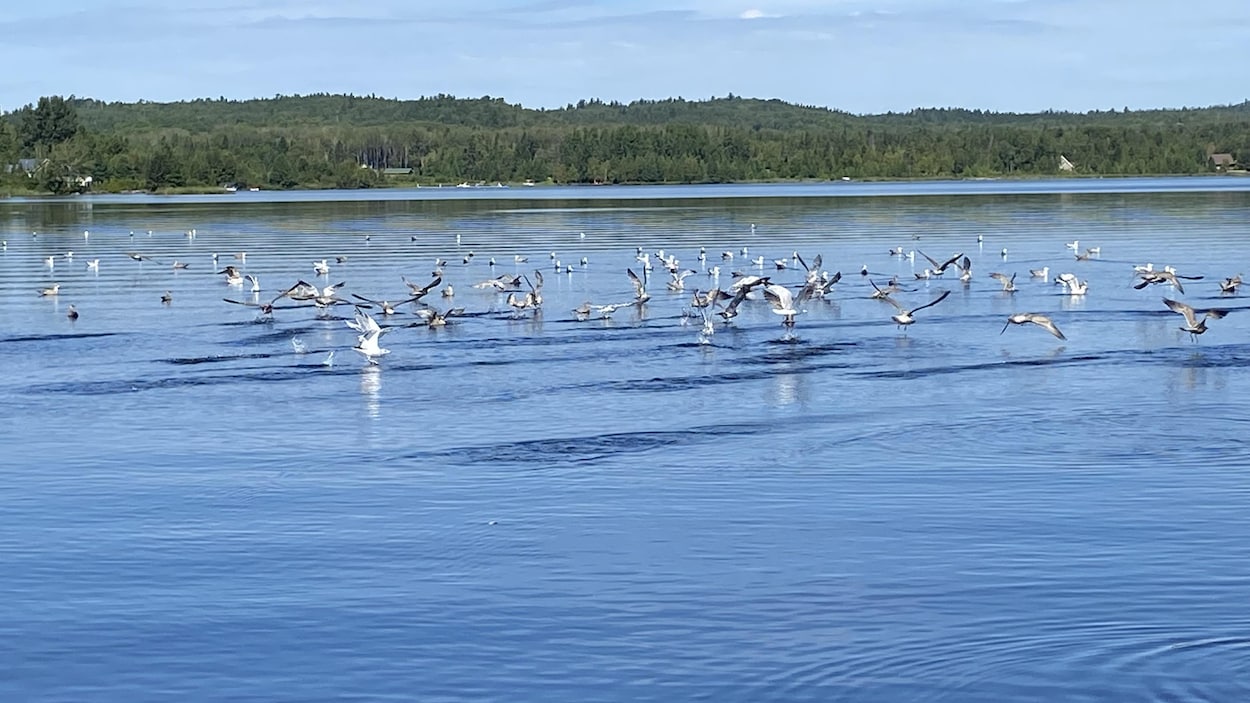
(347, 141)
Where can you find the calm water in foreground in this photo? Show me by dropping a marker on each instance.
(537, 508)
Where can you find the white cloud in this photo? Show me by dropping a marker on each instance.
(754, 14)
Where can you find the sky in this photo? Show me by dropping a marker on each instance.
(861, 56)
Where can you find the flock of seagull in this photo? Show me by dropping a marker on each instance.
(522, 293)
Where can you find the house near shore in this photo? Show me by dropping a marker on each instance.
(1065, 165)
(395, 171)
(1222, 162)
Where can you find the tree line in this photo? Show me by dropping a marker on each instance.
(64, 144)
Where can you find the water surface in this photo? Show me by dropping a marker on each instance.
(536, 507)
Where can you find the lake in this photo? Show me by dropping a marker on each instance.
(205, 503)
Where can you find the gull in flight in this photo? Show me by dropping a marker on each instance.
(905, 316)
(370, 333)
(501, 283)
(640, 288)
(305, 291)
(939, 268)
(1167, 275)
(233, 276)
(533, 298)
(385, 306)
(678, 282)
(784, 302)
(434, 318)
(1071, 284)
(1036, 318)
(1193, 325)
(1009, 284)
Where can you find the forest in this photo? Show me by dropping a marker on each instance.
(68, 144)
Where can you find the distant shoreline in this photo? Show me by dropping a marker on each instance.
(934, 187)
(522, 188)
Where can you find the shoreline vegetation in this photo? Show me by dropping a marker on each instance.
(73, 145)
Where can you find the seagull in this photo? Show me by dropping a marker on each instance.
(678, 282)
(233, 276)
(1009, 284)
(303, 291)
(53, 291)
(385, 306)
(707, 300)
(605, 311)
(784, 302)
(883, 293)
(1229, 285)
(367, 341)
(1022, 318)
(940, 267)
(1164, 276)
(255, 282)
(748, 282)
(965, 270)
(72, 313)
(1193, 325)
(1043, 272)
(731, 310)
(434, 318)
(640, 289)
(167, 297)
(1071, 284)
(321, 268)
(420, 291)
(93, 265)
(501, 283)
(905, 316)
(533, 299)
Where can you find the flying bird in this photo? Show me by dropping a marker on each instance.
(1193, 325)
(1036, 318)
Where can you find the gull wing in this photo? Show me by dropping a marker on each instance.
(929, 304)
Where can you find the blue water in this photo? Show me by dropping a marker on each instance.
(533, 507)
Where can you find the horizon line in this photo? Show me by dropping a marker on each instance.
(601, 101)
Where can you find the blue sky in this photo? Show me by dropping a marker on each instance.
(864, 56)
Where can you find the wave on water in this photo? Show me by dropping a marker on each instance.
(56, 337)
(586, 448)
